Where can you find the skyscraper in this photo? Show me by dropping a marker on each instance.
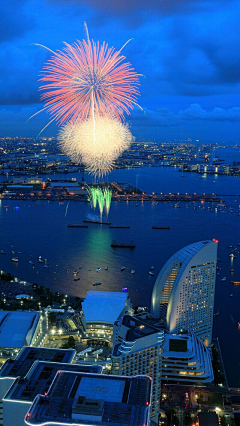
(183, 294)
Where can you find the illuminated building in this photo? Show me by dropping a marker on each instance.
(102, 309)
(141, 347)
(19, 398)
(186, 360)
(93, 399)
(20, 366)
(183, 294)
(138, 350)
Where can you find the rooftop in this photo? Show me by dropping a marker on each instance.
(104, 306)
(20, 366)
(80, 398)
(208, 418)
(40, 377)
(17, 328)
(178, 346)
(139, 327)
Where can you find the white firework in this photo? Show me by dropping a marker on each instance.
(96, 142)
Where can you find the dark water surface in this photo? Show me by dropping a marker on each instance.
(40, 228)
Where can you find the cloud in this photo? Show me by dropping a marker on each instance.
(14, 20)
(165, 117)
(196, 112)
(127, 7)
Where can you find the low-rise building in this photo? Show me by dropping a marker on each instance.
(20, 366)
(185, 359)
(102, 309)
(93, 399)
(17, 329)
(19, 398)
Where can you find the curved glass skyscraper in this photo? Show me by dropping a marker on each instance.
(183, 294)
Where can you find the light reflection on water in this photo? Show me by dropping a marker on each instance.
(41, 229)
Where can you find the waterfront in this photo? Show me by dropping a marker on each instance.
(40, 228)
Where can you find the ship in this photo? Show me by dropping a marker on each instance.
(15, 259)
(119, 227)
(77, 226)
(160, 227)
(123, 245)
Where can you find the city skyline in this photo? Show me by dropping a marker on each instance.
(185, 50)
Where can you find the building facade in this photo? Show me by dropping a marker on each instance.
(183, 294)
(138, 350)
(140, 347)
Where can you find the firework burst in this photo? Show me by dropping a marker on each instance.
(99, 151)
(87, 79)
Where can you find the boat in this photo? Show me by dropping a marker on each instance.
(40, 259)
(160, 227)
(230, 246)
(97, 283)
(224, 279)
(15, 259)
(76, 272)
(124, 289)
(151, 268)
(31, 262)
(235, 282)
(217, 313)
(123, 268)
(45, 266)
(123, 245)
(232, 269)
(230, 295)
(106, 268)
(151, 273)
(133, 271)
(76, 279)
(232, 255)
(98, 269)
(2, 252)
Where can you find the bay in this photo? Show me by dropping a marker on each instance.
(40, 228)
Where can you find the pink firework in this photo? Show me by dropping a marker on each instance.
(87, 79)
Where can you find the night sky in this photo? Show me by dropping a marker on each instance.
(187, 50)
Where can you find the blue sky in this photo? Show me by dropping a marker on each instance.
(187, 50)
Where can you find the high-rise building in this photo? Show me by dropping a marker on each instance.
(183, 294)
(93, 399)
(138, 350)
(141, 347)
